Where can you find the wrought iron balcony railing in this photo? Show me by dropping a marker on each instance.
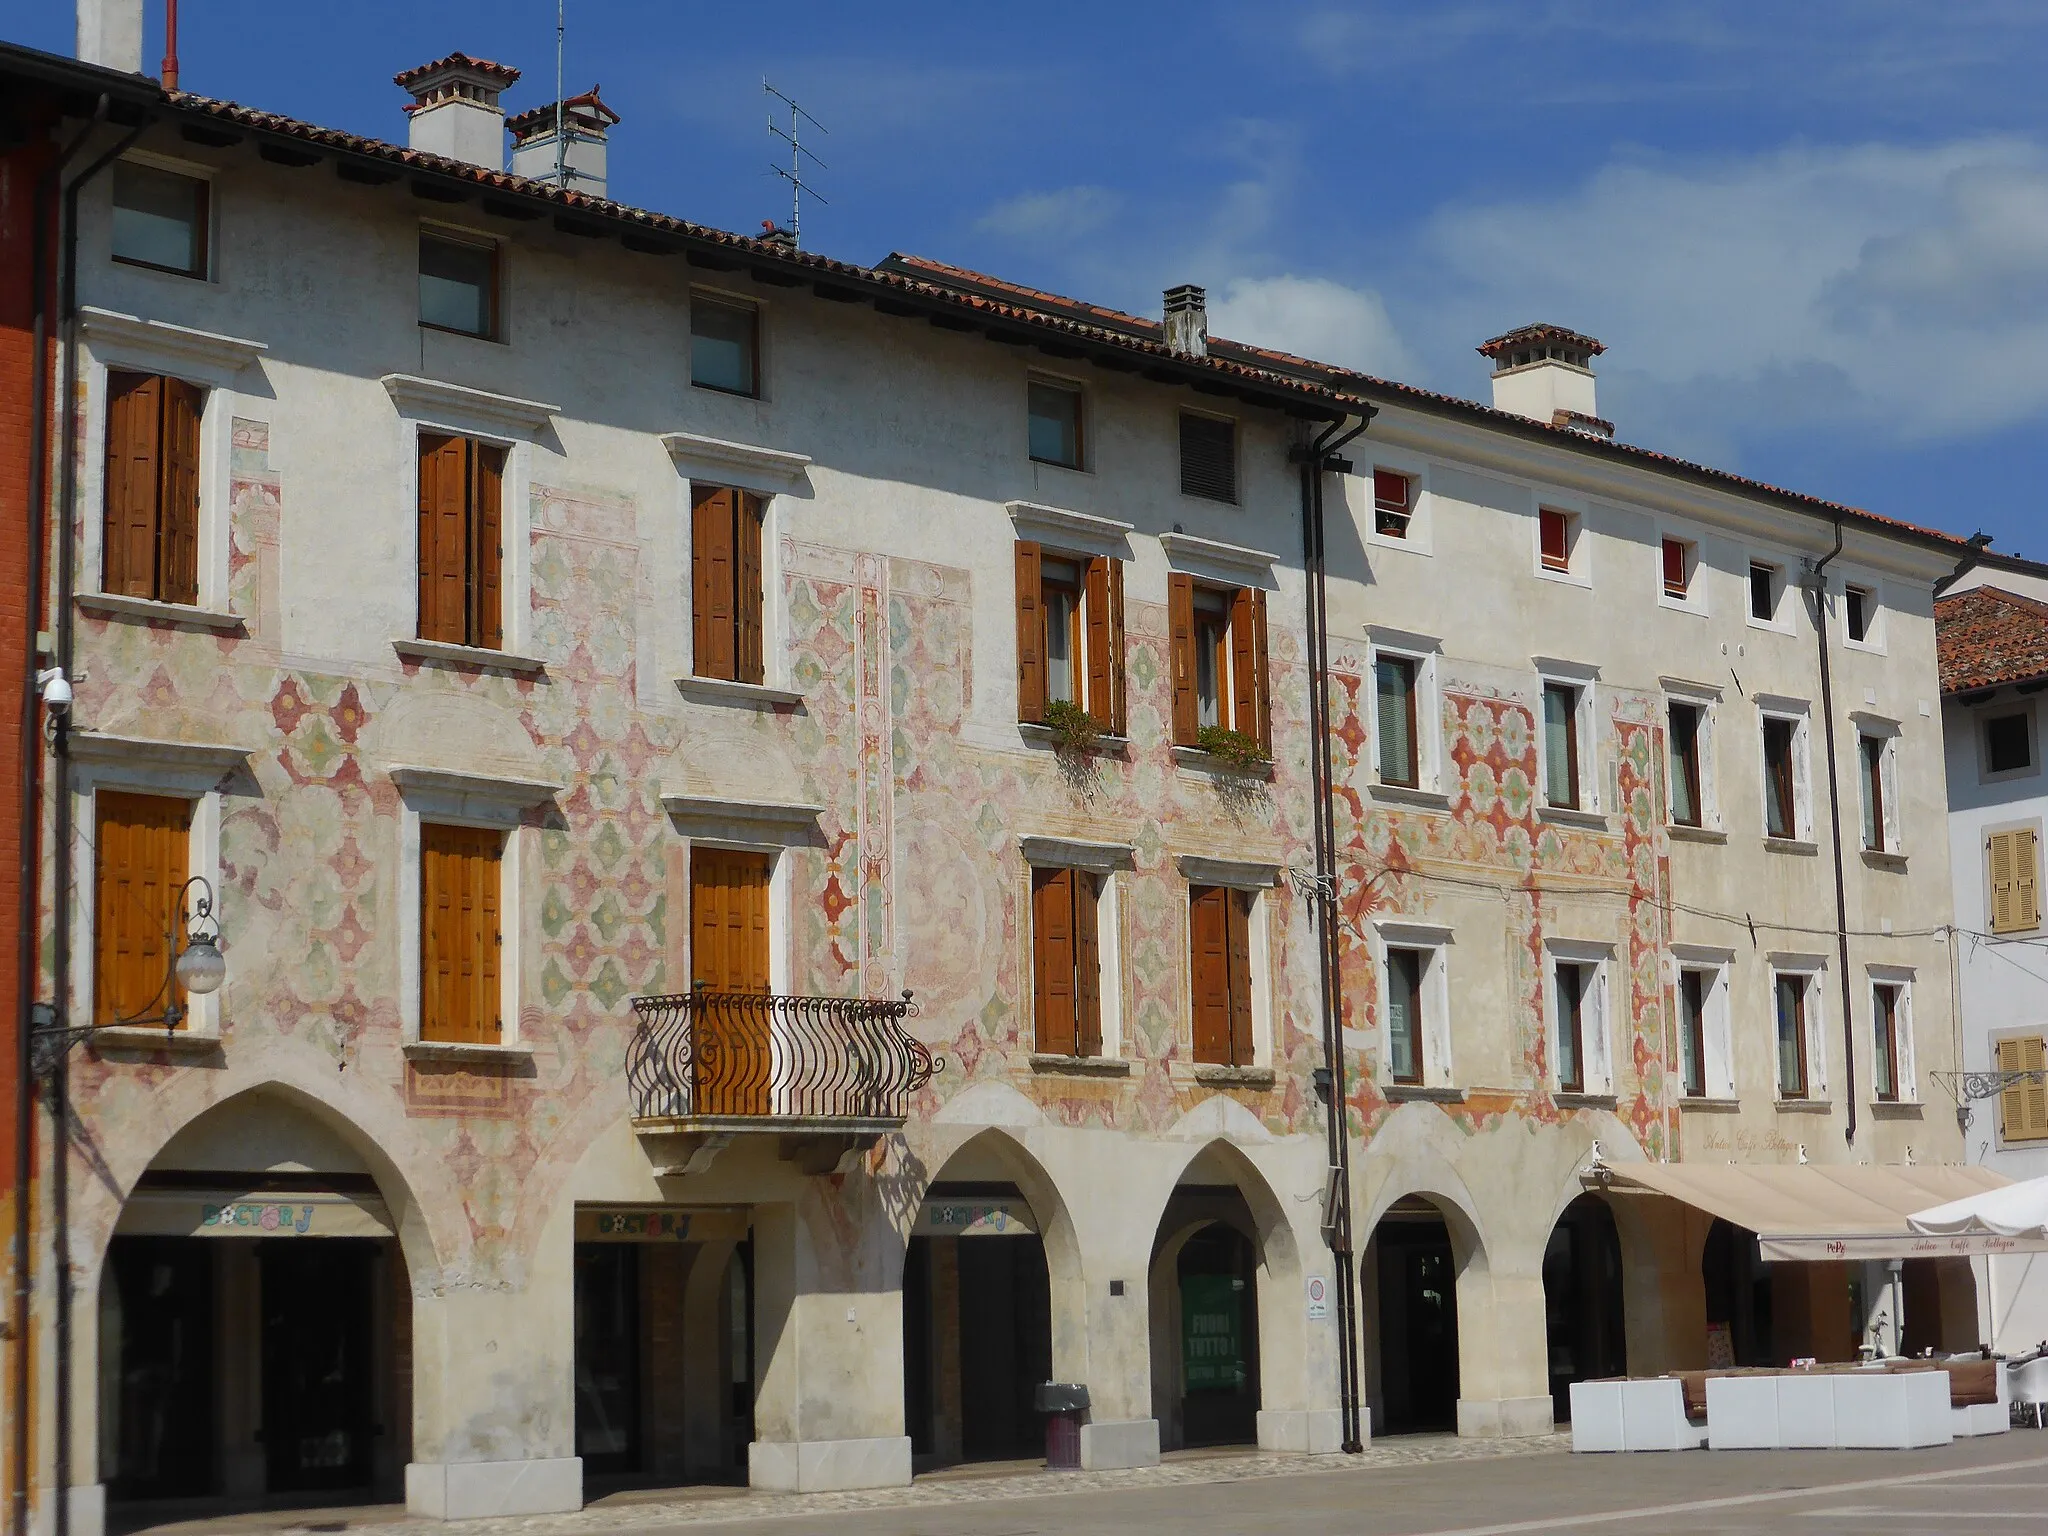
(743, 1055)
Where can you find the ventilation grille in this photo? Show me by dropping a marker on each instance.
(1208, 457)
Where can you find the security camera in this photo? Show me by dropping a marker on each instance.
(55, 689)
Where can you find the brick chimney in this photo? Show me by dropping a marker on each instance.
(110, 33)
(1187, 320)
(455, 109)
(585, 121)
(1545, 372)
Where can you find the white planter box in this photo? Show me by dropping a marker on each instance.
(1742, 1413)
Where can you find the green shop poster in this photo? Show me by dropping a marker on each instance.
(1212, 1333)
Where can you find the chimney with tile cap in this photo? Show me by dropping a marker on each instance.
(110, 33)
(1187, 320)
(455, 109)
(1545, 372)
(585, 120)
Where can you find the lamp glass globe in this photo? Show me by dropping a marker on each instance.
(201, 969)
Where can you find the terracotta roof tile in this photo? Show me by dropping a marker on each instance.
(1539, 335)
(1988, 636)
(505, 74)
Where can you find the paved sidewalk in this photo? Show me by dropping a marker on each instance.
(663, 1509)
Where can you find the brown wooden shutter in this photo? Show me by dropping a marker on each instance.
(141, 853)
(1119, 707)
(1095, 615)
(133, 484)
(729, 920)
(1238, 908)
(1052, 940)
(712, 557)
(1030, 634)
(444, 533)
(748, 594)
(1251, 698)
(484, 867)
(1180, 623)
(1087, 966)
(1209, 969)
(178, 498)
(460, 935)
(486, 617)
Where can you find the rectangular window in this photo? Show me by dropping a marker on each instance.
(1677, 557)
(1763, 592)
(726, 588)
(2015, 902)
(1856, 607)
(459, 286)
(1059, 589)
(1393, 503)
(1791, 1010)
(1694, 988)
(1405, 968)
(1219, 944)
(1569, 987)
(1208, 457)
(2023, 1101)
(1394, 699)
(1070, 635)
(725, 346)
(150, 522)
(461, 541)
(1557, 531)
(1685, 764)
(1884, 1012)
(1781, 810)
(1870, 754)
(732, 1039)
(160, 219)
(460, 994)
(140, 864)
(2008, 743)
(1055, 423)
(1219, 661)
(1561, 745)
(1066, 960)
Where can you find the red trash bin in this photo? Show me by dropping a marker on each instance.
(1065, 1406)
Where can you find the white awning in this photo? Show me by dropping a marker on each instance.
(2017, 1213)
(1824, 1212)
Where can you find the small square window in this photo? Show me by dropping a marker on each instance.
(1393, 503)
(725, 346)
(1678, 564)
(2008, 743)
(160, 219)
(1558, 532)
(459, 286)
(1055, 424)
(1763, 592)
(1856, 610)
(1208, 457)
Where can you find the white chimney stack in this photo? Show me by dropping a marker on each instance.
(1545, 372)
(1187, 320)
(585, 120)
(455, 109)
(110, 33)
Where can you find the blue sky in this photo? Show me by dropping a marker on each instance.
(1814, 237)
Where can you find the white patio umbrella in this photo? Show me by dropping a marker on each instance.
(2016, 1211)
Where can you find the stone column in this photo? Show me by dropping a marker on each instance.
(1503, 1353)
(1101, 1332)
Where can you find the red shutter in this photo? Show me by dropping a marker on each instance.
(444, 531)
(1052, 945)
(486, 626)
(1087, 967)
(1237, 908)
(1030, 635)
(1180, 616)
(1209, 971)
(1096, 616)
(747, 591)
(1119, 709)
(711, 581)
(133, 484)
(1390, 491)
(1674, 567)
(178, 501)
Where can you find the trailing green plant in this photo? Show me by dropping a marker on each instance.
(1233, 747)
(1073, 728)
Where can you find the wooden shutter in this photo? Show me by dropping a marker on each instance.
(1180, 617)
(443, 537)
(1095, 618)
(748, 594)
(1119, 709)
(1209, 967)
(1030, 633)
(1674, 567)
(1237, 908)
(178, 498)
(1087, 966)
(141, 854)
(460, 936)
(1251, 692)
(133, 484)
(485, 620)
(2023, 1107)
(1052, 946)
(729, 920)
(2015, 907)
(712, 559)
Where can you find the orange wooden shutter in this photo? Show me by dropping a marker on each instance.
(142, 850)
(1030, 634)
(485, 624)
(711, 581)
(444, 518)
(1180, 617)
(1087, 967)
(460, 934)
(1095, 606)
(178, 499)
(747, 592)
(133, 483)
(1237, 910)
(1251, 708)
(1209, 956)
(1119, 709)
(729, 920)
(1052, 948)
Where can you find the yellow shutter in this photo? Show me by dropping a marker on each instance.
(2015, 886)
(2023, 1106)
(2026, 901)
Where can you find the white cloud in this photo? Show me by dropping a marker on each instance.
(1312, 317)
(1067, 213)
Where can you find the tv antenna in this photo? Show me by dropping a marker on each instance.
(795, 174)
